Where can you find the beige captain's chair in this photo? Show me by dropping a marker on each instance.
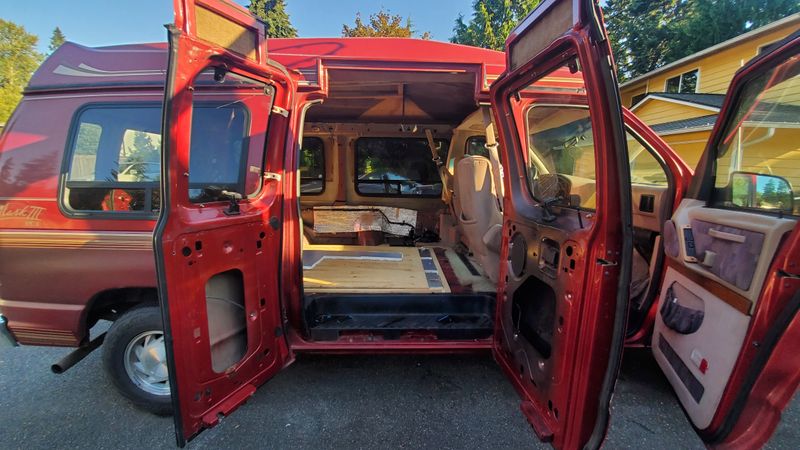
(478, 212)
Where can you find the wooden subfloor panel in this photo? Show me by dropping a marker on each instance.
(367, 276)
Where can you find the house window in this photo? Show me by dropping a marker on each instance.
(685, 83)
(637, 98)
(312, 166)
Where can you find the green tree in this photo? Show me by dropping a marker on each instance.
(56, 40)
(709, 22)
(382, 24)
(18, 60)
(273, 14)
(491, 22)
(647, 34)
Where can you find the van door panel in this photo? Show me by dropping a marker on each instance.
(729, 301)
(560, 320)
(217, 239)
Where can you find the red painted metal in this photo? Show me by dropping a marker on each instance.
(227, 242)
(569, 408)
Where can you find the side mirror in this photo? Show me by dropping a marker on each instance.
(756, 190)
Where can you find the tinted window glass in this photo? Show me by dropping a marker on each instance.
(115, 162)
(398, 166)
(758, 157)
(312, 166)
(476, 146)
(217, 147)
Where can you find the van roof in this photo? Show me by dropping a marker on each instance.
(74, 66)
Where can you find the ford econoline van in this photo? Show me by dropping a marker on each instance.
(231, 201)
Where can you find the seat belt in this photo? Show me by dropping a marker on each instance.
(494, 155)
(441, 167)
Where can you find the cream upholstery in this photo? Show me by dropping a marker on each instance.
(478, 213)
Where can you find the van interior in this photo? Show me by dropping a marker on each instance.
(402, 220)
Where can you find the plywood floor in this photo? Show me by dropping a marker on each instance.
(354, 275)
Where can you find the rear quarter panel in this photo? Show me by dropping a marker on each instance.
(52, 265)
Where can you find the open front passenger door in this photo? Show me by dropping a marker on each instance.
(727, 327)
(217, 240)
(567, 249)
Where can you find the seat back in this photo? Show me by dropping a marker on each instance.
(477, 211)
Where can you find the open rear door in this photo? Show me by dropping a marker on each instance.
(217, 240)
(567, 248)
(727, 329)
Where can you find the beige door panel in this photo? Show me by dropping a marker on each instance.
(648, 220)
(746, 227)
(718, 341)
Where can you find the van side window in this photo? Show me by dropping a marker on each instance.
(312, 166)
(476, 146)
(645, 168)
(391, 167)
(115, 163)
(115, 157)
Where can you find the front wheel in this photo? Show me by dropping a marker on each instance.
(135, 358)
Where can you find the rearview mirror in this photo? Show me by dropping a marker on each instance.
(756, 190)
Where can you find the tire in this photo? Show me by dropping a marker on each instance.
(135, 360)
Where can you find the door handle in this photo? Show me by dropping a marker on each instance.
(727, 236)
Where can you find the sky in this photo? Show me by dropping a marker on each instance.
(104, 22)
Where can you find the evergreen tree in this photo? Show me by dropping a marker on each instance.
(491, 22)
(56, 40)
(273, 14)
(382, 24)
(647, 34)
(18, 60)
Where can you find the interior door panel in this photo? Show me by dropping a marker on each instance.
(759, 234)
(734, 250)
(699, 385)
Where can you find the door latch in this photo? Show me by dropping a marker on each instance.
(605, 262)
(233, 198)
(272, 176)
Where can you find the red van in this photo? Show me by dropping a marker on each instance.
(350, 195)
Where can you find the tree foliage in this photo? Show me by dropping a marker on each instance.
(491, 22)
(382, 24)
(647, 34)
(18, 60)
(56, 40)
(273, 14)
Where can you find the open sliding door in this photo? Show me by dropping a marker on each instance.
(217, 240)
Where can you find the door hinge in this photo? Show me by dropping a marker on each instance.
(272, 176)
(281, 111)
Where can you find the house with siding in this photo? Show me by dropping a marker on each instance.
(681, 100)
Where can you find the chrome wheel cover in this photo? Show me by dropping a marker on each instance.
(146, 362)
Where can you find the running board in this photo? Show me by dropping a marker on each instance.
(447, 316)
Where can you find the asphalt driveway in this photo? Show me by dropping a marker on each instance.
(333, 402)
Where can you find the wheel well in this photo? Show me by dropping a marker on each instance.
(110, 304)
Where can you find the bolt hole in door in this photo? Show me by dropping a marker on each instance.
(258, 244)
(227, 320)
(186, 251)
(198, 245)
